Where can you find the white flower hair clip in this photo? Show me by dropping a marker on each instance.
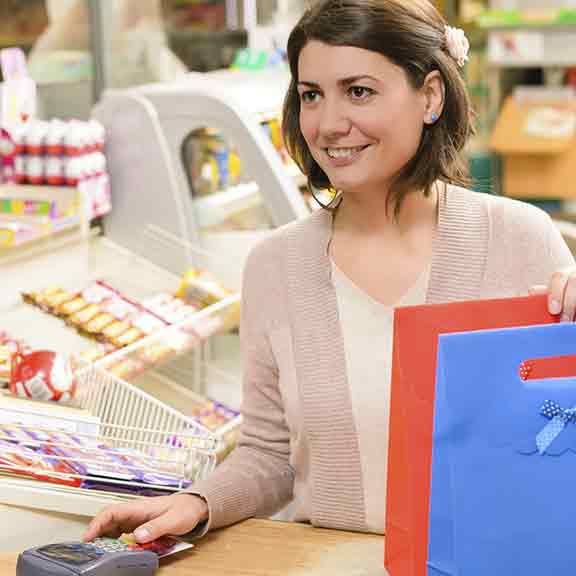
(458, 45)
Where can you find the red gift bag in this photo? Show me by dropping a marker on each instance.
(416, 330)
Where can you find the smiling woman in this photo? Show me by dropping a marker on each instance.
(359, 115)
(381, 81)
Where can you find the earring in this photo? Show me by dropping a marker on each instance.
(434, 117)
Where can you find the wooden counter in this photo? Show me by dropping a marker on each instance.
(267, 548)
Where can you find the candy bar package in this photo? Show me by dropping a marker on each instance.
(72, 306)
(170, 309)
(213, 414)
(95, 463)
(165, 472)
(34, 436)
(36, 463)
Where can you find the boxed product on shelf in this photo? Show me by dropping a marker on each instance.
(32, 213)
(536, 136)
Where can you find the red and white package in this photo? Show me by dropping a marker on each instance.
(44, 375)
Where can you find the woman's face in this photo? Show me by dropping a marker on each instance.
(359, 115)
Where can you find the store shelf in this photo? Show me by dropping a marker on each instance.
(214, 209)
(41, 229)
(531, 46)
(38, 192)
(76, 501)
(74, 266)
(180, 397)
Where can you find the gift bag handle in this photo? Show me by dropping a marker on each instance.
(548, 367)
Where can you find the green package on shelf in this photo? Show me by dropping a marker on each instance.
(247, 59)
(497, 18)
(516, 18)
(566, 17)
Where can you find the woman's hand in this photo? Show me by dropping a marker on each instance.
(150, 518)
(561, 292)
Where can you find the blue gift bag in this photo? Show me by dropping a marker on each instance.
(503, 491)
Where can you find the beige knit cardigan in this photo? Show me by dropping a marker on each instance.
(485, 246)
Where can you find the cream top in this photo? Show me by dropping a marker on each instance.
(368, 329)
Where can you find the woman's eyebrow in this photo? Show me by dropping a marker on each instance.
(347, 81)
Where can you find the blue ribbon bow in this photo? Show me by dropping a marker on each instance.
(559, 418)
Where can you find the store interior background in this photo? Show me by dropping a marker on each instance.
(190, 93)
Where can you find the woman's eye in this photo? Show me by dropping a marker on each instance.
(360, 92)
(309, 96)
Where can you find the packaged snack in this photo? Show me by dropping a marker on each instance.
(129, 337)
(170, 309)
(114, 321)
(97, 324)
(50, 438)
(39, 298)
(200, 289)
(98, 463)
(147, 323)
(213, 415)
(44, 375)
(38, 464)
(72, 306)
(97, 292)
(53, 300)
(119, 308)
(162, 472)
(93, 354)
(114, 330)
(84, 316)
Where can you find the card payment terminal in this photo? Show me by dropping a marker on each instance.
(102, 557)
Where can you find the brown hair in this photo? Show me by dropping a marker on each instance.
(411, 34)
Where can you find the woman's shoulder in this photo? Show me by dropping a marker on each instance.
(301, 237)
(502, 214)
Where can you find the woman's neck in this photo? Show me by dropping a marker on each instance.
(368, 215)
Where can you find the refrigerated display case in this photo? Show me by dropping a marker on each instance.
(199, 161)
(155, 396)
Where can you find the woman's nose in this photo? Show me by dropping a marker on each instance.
(333, 120)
